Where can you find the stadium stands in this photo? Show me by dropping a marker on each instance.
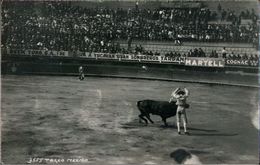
(62, 26)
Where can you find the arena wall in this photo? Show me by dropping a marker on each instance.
(243, 76)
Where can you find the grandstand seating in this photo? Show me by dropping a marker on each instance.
(62, 26)
(164, 48)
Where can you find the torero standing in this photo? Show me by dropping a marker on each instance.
(81, 73)
(181, 96)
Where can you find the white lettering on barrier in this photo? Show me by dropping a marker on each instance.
(215, 64)
(237, 62)
(221, 63)
(187, 62)
(204, 62)
(243, 62)
(253, 63)
(199, 63)
(33, 52)
(210, 63)
(160, 59)
(194, 63)
(176, 60)
(61, 53)
(89, 55)
(16, 52)
(105, 56)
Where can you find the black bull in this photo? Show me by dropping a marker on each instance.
(160, 108)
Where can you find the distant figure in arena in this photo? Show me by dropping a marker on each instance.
(224, 52)
(144, 67)
(181, 95)
(81, 73)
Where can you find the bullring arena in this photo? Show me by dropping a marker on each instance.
(97, 119)
(49, 116)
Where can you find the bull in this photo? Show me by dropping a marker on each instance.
(164, 109)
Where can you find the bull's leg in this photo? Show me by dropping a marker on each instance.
(164, 120)
(141, 117)
(148, 117)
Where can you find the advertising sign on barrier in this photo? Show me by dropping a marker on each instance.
(108, 56)
(125, 57)
(89, 55)
(105, 56)
(145, 58)
(31, 52)
(231, 62)
(41, 53)
(205, 62)
(16, 52)
(174, 60)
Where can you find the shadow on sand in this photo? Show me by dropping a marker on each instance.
(192, 131)
(206, 132)
(190, 128)
(213, 134)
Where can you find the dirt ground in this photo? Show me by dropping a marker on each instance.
(97, 120)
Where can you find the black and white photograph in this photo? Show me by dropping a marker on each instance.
(123, 82)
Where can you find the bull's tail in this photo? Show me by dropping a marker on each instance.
(142, 112)
(143, 107)
(139, 104)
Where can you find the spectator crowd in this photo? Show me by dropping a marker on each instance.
(198, 52)
(61, 26)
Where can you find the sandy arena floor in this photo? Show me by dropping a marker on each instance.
(97, 119)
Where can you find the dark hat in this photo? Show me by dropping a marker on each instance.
(181, 92)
